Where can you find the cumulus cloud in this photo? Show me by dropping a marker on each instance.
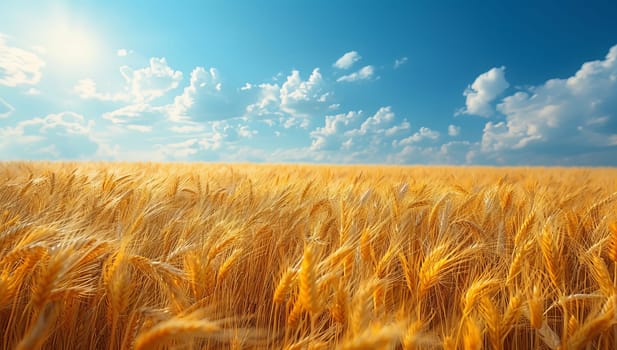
(202, 100)
(70, 122)
(18, 66)
(423, 134)
(246, 132)
(457, 152)
(454, 130)
(483, 91)
(205, 99)
(298, 96)
(399, 62)
(142, 85)
(354, 137)
(375, 123)
(138, 117)
(453, 152)
(364, 73)
(403, 126)
(329, 136)
(5, 108)
(290, 104)
(149, 83)
(347, 60)
(205, 84)
(194, 147)
(293, 103)
(86, 89)
(268, 101)
(572, 116)
(212, 141)
(62, 135)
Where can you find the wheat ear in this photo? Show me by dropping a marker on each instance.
(309, 297)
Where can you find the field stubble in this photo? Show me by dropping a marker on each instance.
(121, 255)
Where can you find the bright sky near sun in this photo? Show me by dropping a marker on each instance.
(410, 82)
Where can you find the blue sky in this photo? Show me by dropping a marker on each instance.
(474, 82)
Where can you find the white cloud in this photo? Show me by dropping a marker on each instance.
(203, 82)
(457, 152)
(244, 131)
(364, 73)
(399, 62)
(123, 52)
(298, 96)
(181, 149)
(412, 154)
(206, 99)
(139, 117)
(397, 128)
(116, 153)
(293, 121)
(454, 130)
(334, 126)
(146, 84)
(72, 122)
(192, 148)
(212, 142)
(86, 89)
(294, 103)
(61, 135)
(562, 118)
(351, 137)
(347, 60)
(374, 123)
(149, 83)
(423, 134)
(5, 108)
(203, 100)
(453, 152)
(347, 145)
(18, 66)
(483, 91)
(185, 129)
(139, 128)
(142, 85)
(33, 91)
(268, 101)
(290, 104)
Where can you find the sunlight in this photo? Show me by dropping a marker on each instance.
(71, 45)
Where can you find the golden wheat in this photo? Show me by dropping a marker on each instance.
(127, 255)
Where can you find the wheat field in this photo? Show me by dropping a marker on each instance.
(214, 256)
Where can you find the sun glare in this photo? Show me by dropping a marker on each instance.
(71, 46)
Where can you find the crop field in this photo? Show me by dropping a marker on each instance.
(213, 256)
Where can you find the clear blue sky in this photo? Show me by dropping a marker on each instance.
(422, 82)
